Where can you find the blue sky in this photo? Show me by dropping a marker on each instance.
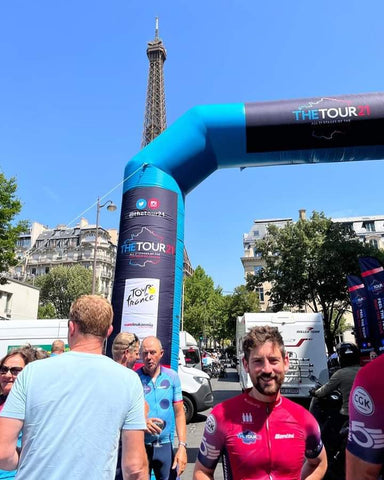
(72, 96)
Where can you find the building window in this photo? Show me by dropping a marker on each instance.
(256, 233)
(348, 227)
(23, 242)
(46, 269)
(374, 243)
(369, 226)
(260, 292)
(256, 253)
(33, 271)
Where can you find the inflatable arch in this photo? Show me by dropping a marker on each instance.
(149, 267)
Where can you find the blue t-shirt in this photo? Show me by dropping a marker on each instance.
(73, 407)
(160, 397)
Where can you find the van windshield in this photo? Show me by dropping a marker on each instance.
(192, 356)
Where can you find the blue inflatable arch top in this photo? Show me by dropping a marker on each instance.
(149, 268)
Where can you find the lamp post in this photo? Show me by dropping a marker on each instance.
(110, 207)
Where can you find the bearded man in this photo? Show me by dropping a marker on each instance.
(260, 434)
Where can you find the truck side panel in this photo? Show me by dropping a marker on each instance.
(38, 333)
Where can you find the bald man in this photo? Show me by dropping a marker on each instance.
(162, 390)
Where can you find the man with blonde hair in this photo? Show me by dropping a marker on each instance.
(72, 408)
(126, 349)
(57, 348)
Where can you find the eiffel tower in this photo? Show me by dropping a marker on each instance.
(155, 120)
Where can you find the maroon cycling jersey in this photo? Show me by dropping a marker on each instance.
(260, 441)
(366, 413)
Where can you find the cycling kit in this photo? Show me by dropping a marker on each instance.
(258, 440)
(366, 414)
(160, 396)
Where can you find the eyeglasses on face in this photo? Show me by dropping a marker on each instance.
(14, 370)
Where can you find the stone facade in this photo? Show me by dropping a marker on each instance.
(43, 248)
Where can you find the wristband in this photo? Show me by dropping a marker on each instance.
(183, 444)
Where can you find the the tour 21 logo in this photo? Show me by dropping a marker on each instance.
(330, 110)
(144, 246)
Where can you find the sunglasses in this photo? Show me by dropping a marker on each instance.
(14, 370)
(132, 342)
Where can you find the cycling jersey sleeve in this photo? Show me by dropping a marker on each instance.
(366, 414)
(213, 440)
(313, 444)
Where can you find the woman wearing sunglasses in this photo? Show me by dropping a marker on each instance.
(10, 366)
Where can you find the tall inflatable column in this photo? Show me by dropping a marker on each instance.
(149, 265)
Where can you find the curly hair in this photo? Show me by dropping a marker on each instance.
(257, 336)
(93, 314)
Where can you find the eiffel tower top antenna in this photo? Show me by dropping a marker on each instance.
(155, 119)
(157, 28)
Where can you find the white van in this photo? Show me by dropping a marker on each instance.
(190, 349)
(195, 384)
(196, 387)
(303, 335)
(38, 333)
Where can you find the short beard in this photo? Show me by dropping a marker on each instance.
(269, 390)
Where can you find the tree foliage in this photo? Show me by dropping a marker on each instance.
(208, 313)
(241, 301)
(10, 206)
(307, 263)
(46, 311)
(62, 285)
(202, 302)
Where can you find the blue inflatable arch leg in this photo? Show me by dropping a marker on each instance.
(149, 267)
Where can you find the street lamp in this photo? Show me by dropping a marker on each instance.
(111, 207)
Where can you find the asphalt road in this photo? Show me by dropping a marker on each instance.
(223, 388)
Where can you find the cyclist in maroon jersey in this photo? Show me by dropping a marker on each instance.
(261, 435)
(365, 448)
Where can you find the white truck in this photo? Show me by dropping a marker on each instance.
(303, 336)
(39, 333)
(195, 384)
(190, 349)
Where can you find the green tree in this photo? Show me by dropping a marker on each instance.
(46, 311)
(242, 300)
(62, 285)
(10, 206)
(202, 305)
(307, 263)
(209, 313)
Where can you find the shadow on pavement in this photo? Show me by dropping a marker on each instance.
(192, 454)
(199, 418)
(221, 395)
(229, 377)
